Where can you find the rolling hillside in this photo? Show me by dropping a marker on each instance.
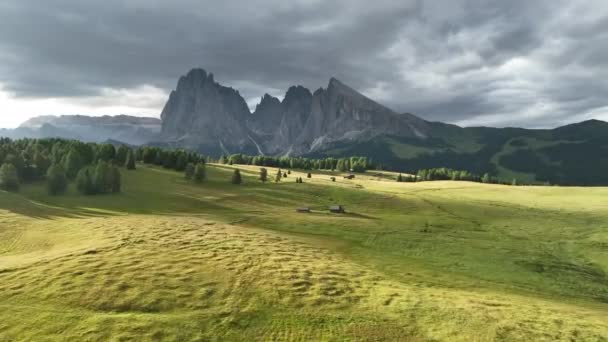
(171, 260)
(570, 155)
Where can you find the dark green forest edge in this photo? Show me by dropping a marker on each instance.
(95, 168)
(575, 154)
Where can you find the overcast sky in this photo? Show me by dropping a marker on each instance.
(470, 62)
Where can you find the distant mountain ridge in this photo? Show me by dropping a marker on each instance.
(129, 129)
(336, 121)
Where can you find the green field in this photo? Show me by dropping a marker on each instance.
(169, 260)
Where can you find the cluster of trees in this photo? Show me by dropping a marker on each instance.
(355, 164)
(446, 174)
(94, 167)
(103, 178)
(177, 160)
(406, 178)
(197, 173)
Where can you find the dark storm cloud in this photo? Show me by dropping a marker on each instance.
(472, 62)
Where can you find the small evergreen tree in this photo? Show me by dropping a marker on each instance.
(84, 182)
(57, 181)
(236, 177)
(9, 179)
(72, 163)
(130, 162)
(115, 183)
(284, 174)
(200, 173)
(181, 162)
(101, 177)
(106, 152)
(278, 177)
(263, 174)
(121, 155)
(189, 173)
(288, 172)
(309, 175)
(42, 163)
(400, 178)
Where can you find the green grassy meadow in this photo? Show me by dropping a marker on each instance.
(170, 260)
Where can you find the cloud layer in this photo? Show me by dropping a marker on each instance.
(471, 62)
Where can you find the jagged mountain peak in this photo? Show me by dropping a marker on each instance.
(202, 111)
(268, 99)
(194, 79)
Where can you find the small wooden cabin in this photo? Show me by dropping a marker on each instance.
(336, 209)
(303, 210)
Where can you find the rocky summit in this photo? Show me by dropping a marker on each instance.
(211, 118)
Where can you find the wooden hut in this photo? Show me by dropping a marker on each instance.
(336, 209)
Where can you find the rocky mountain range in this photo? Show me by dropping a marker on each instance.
(214, 119)
(336, 121)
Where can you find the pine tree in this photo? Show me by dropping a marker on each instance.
(9, 179)
(263, 174)
(400, 178)
(236, 177)
(121, 155)
(84, 182)
(106, 152)
(130, 162)
(288, 172)
(72, 163)
(189, 173)
(309, 175)
(57, 182)
(101, 177)
(278, 177)
(200, 173)
(284, 174)
(42, 163)
(115, 181)
(181, 162)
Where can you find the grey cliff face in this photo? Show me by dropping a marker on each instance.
(201, 113)
(340, 113)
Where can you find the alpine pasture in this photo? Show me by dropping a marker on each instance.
(168, 259)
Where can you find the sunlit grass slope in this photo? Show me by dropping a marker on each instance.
(175, 261)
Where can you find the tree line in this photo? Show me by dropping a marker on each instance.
(354, 164)
(95, 168)
(450, 174)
